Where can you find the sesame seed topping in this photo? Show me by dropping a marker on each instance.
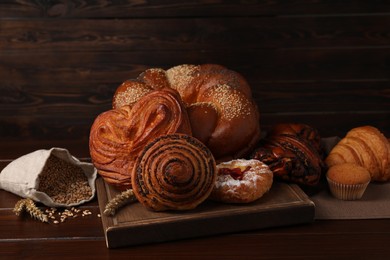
(181, 76)
(155, 78)
(155, 70)
(131, 94)
(232, 103)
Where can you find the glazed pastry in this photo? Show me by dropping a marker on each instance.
(293, 155)
(241, 181)
(301, 131)
(365, 146)
(219, 103)
(118, 135)
(173, 172)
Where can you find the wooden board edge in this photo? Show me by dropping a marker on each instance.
(117, 237)
(154, 232)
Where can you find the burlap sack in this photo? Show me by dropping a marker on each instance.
(21, 176)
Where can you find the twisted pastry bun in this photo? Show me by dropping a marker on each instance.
(365, 146)
(173, 172)
(118, 135)
(302, 131)
(219, 103)
(293, 153)
(241, 181)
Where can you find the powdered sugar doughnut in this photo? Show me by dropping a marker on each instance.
(241, 181)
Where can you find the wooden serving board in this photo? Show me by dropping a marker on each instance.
(283, 205)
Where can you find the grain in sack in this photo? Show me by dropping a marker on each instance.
(53, 177)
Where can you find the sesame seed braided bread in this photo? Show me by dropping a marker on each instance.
(218, 102)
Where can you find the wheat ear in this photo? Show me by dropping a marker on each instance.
(119, 201)
(19, 207)
(29, 206)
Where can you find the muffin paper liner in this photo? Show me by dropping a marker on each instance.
(347, 191)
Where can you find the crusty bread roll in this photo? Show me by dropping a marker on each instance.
(365, 146)
(219, 104)
(118, 135)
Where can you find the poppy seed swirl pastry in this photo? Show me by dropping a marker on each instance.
(173, 172)
(219, 103)
(241, 181)
(118, 135)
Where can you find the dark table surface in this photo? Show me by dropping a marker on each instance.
(83, 236)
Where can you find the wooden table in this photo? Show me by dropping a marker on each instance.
(324, 63)
(23, 237)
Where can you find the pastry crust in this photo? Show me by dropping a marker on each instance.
(255, 181)
(293, 152)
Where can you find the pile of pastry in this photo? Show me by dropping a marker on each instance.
(362, 156)
(180, 136)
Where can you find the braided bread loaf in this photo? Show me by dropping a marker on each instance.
(365, 146)
(218, 101)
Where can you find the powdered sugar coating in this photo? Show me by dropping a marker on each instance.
(253, 185)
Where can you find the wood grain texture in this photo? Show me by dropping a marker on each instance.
(256, 245)
(177, 8)
(325, 63)
(200, 33)
(61, 61)
(25, 228)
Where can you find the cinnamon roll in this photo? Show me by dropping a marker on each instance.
(118, 135)
(173, 172)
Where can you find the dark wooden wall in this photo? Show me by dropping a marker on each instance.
(325, 63)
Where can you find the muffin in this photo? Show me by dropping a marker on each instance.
(348, 181)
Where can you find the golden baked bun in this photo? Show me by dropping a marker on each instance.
(173, 172)
(365, 146)
(241, 181)
(118, 135)
(219, 103)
